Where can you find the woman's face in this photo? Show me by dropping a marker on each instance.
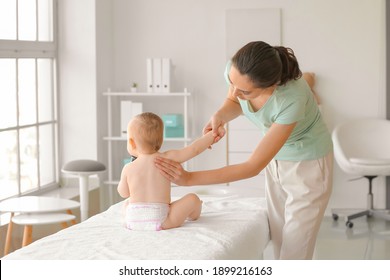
(243, 88)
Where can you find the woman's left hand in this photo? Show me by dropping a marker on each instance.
(172, 170)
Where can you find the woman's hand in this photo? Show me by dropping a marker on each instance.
(172, 171)
(216, 125)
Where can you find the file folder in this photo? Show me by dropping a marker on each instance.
(126, 115)
(136, 108)
(149, 75)
(166, 75)
(129, 110)
(157, 75)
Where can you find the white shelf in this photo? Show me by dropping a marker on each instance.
(113, 140)
(146, 94)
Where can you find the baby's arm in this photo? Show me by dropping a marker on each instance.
(123, 188)
(194, 149)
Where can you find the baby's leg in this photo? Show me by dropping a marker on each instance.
(189, 206)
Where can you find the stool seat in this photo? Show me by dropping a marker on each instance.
(42, 219)
(83, 168)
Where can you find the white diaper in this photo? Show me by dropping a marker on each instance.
(146, 216)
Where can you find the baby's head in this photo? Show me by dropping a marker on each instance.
(147, 131)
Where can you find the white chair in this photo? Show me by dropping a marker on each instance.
(362, 148)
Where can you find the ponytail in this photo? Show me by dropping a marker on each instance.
(266, 65)
(290, 66)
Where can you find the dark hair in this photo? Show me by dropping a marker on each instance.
(266, 65)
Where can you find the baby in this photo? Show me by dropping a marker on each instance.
(310, 79)
(149, 205)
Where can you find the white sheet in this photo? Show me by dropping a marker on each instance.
(231, 226)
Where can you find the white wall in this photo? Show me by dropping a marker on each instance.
(77, 80)
(342, 41)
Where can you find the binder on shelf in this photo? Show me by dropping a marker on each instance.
(126, 115)
(166, 75)
(136, 108)
(149, 75)
(129, 109)
(157, 75)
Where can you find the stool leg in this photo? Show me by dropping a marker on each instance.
(27, 235)
(64, 224)
(83, 197)
(9, 236)
(73, 222)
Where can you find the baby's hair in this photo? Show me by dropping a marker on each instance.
(150, 129)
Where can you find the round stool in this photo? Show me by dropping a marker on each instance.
(83, 168)
(29, 220)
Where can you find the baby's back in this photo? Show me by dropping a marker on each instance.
(145, 182)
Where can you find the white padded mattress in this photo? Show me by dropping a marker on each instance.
(231, 226)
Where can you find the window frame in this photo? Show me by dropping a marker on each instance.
(21, 49)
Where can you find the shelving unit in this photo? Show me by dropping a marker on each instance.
(111, 138)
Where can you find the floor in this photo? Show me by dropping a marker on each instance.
(368, 239)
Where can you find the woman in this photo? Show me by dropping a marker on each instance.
(266, 85)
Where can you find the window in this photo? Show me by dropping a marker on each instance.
(28, 115)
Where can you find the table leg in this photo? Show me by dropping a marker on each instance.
(73, 222)
(9, 236)
(83, 197)
(27, 235)
(64, 224)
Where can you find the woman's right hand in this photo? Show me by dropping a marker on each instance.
(216, 125)
(172, 170)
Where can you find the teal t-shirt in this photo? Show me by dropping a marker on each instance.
(293, 102)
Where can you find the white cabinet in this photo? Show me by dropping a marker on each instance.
(115, 139)
(243, 137)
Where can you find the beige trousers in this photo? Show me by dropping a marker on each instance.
(297, 194)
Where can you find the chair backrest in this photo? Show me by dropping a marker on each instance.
(367, 138)
(359, 145)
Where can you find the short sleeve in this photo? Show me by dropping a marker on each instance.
(291, 111)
